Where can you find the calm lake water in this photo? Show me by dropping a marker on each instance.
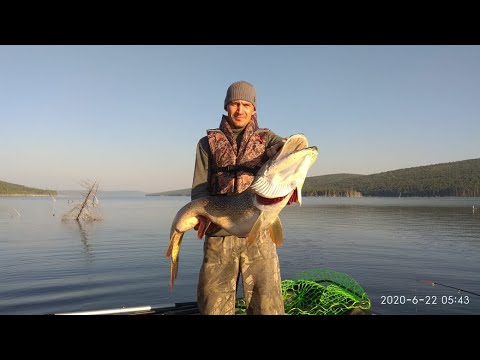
(393, 247)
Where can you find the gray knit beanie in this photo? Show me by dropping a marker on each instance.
(241, 90)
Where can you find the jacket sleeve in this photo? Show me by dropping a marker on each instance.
(200, 186)
(273, 139)
(201, 176)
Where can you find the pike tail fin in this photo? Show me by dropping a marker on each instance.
(173, 251)
(276, 232)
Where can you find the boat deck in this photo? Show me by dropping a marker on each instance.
(184, 308)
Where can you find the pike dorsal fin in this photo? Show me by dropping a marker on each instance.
(276, 232)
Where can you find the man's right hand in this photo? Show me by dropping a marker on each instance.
(212, 229)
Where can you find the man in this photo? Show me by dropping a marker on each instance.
(227, 160)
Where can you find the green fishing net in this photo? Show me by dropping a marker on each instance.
(320, 292)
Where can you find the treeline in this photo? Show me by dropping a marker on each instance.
(9, 189)
(459, 178)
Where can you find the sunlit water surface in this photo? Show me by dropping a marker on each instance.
(393, 247)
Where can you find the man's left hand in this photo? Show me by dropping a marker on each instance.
(272, 150)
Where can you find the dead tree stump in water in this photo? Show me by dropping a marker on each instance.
(87, 210)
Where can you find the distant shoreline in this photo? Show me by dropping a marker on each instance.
(23, 195)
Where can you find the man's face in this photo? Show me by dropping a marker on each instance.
(239, 113)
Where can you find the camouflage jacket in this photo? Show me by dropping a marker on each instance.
(203, 162)
(233, 168)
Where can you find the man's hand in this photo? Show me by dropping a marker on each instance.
(272, 150)
(202, 229)
(212, 229)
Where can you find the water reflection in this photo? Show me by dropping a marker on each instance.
(85, 241)
(85, 236)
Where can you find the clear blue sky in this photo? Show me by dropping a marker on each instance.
(130, 116)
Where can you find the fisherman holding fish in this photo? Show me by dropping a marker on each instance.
(227, 160)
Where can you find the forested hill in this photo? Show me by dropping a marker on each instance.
(9, 189)
(459, 178)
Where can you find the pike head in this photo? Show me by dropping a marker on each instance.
(284, 175)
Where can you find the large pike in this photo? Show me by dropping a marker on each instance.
(277, 183)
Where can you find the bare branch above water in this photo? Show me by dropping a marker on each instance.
(88, 208)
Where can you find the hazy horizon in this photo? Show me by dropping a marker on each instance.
(152, 192)
(130, 116)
